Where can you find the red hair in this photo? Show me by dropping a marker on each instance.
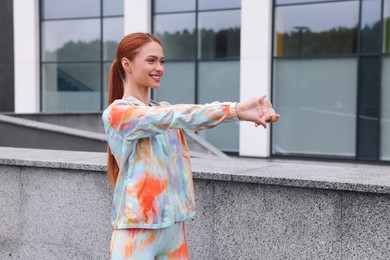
(128, 48)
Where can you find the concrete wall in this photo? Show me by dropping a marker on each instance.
(56, 205)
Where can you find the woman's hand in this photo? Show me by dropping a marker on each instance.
(258, 110)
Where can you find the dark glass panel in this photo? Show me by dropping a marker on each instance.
(106, 75)
(307, 30)
(113, 7)
(218, 4)
(177, 32)
(370, 41)
(385, 110)
(220, 34)
(317, 101)
(111, 37)
(219, 81)
(386, 26)
(71, 40)
(282, 2)
(177, 84)
(56, 9)
(71, 87)
(368, 111)
(161, 6)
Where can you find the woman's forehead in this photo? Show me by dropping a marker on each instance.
(151, 49)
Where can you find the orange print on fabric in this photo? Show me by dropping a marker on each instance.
(118, 115)
(151, 188)
(129, 243)
(143, 152)
(147, 242)
(218, 117)
(180, 253)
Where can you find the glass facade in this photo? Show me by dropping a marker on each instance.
(202, 55)
(385, 95)
(78, 44)
(306, 30)
(330, 79)
(386, 26)
(317, 101)
(385, 110)
(330, 65)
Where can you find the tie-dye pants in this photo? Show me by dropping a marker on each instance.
(148, 244)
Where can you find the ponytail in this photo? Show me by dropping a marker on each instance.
(115, 91)
(127, 48)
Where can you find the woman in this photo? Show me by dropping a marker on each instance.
(148, 158)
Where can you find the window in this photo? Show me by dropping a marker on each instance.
(202, 49)
(328, 74)
(386, 26)
(78, 43)
(385, 102)
(385, 111)
(307, 30)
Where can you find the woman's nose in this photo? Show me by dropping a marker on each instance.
(159, 66)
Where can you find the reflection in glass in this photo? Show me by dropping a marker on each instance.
(386, 26)
(220, 81)
(218, 4)
(368, 109)
(57, 9)
(71, 87)
(113, 7)
(111, 38)
(281, 2)
(220, 34)
(385, 111)
(71, 40)
(177, 32)
(161, 6)
(106, 74)
(178, 83)
(370, 26)
(307, 29)
(314, 96)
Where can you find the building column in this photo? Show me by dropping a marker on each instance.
(138, 16)
(26, 55)
(255, 70)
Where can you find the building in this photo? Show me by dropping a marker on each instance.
(325, 64)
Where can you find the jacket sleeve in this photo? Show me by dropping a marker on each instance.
(134, 122)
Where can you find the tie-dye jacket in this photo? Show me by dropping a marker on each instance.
(154, 188)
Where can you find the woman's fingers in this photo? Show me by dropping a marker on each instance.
(261, 98)
(261, 122)
(273, 118)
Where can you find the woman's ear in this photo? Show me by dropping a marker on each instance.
(126, 64)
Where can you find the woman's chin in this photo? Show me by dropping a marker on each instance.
(155, 86)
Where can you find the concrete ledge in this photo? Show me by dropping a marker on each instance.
(56, 205)
(341, 176)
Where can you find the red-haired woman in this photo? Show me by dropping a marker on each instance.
(148, 158)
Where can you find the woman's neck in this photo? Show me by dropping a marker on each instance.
(140, 93)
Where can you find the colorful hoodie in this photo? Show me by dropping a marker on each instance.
(154, 188)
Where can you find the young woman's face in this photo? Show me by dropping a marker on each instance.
(147, 68)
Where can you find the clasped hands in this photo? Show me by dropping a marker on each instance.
(258, 110)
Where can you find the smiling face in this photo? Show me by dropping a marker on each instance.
(147, 68)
